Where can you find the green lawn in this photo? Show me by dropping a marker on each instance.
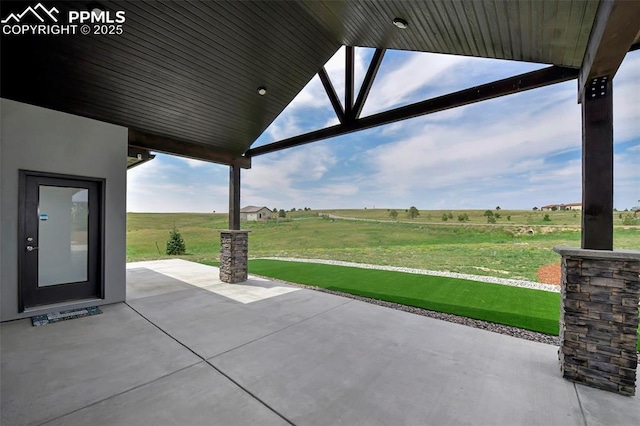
(519, 307)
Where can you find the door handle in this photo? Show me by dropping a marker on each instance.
(32, 248)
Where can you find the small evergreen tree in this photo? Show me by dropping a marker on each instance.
(175, 245)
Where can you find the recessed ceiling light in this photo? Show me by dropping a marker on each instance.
(400, 23)
(262, 90)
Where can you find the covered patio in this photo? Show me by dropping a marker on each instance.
(186, 349)
(203, 80)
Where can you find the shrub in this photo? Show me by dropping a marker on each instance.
(393, 214)
(450, 215)
(509, 217)
(628, 219)
(463, 217)
(497, 215)
(175, 245)
(546, 218)
(444, 217)
(491, 219)
(488, 213)
(282, 213)
(554, 208)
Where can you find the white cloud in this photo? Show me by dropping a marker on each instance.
(516, 151)
(167, 184)
(405, 82)
(194, 164)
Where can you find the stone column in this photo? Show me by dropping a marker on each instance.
(234, 250)
(599, 318)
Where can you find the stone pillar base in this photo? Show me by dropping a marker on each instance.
(234, 251)
(599, 318)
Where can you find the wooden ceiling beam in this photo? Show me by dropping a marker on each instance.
(507, 86)
(331, 93)
(186, 149)
(367, 83)
(616, 28)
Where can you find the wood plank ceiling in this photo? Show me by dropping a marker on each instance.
(190, 71)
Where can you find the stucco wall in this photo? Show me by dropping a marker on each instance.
(43, 140)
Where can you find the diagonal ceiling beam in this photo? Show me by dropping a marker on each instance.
(507, 86)
(367, 83)
(331, 93)
(614, 31)
(185, 149)
(349, 78)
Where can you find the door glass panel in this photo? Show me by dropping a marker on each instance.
(63, 223)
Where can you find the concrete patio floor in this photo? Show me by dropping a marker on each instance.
(187, 349)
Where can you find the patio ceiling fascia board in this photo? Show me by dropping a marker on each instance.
(615, 32)
(185, 149)
(519, 83)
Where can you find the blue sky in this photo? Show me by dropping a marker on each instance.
(516, 151)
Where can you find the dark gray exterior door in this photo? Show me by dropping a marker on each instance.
(60, 239)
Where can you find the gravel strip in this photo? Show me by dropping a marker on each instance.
(482, 278)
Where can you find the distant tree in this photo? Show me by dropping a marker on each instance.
(488, 213)
(535, 208)
(491, 219)
(275, 210)
(463, 217)
(413, 212)
(554, 208)
(497, 207)
(282, 213)
(175, 245)
(293, 209)
(546, 218)
(393, 214)
(497, 215)
(445, 217)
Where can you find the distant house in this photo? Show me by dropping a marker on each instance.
(255, 214)
(570, 206)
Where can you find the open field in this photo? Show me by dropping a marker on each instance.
(507, 249)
